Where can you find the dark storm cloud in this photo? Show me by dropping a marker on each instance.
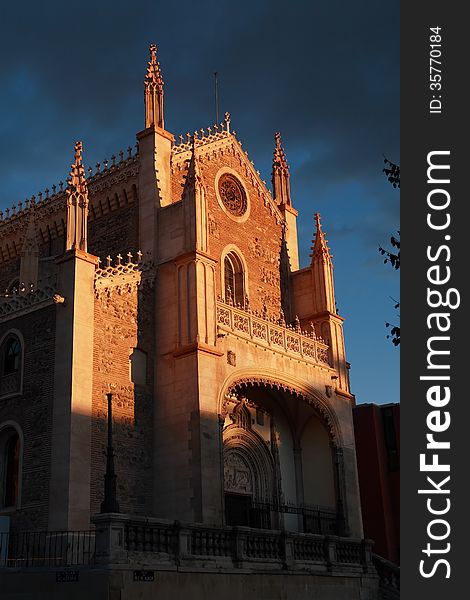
(317, 71)
(323, 73)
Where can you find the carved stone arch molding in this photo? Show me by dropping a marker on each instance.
(248, 465)
(300, 388)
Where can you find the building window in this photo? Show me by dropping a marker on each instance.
(10, 365)
(10, 453)
(234, 280)
(232, 194)
(12, 356)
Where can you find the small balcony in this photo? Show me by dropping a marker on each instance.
(272, 333)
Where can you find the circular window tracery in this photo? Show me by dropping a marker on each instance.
(232, 194)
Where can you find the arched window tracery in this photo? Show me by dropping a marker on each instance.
(234, 280)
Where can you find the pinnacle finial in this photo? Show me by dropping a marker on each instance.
(78, 152)
(318, 220)
(77, 204)
(153, 91)
(227, 121)
(77, 174)
(280, 174)
(320, 248)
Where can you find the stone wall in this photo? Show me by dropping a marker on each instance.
(9, 270)
(258, 238)
(114, 233)
(168, 585)
(123, 321)
(32, 411)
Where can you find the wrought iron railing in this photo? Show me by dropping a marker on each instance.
(315, 519)
(47, 548)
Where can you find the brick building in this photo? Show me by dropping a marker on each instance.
(377, 431)
(169, 277)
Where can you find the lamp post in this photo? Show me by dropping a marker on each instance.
(110, 503)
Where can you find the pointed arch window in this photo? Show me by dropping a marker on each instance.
(234, 280)
(11, 356)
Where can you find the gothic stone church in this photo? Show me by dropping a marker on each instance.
(169, 278)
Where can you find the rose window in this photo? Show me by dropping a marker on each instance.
(232, 194)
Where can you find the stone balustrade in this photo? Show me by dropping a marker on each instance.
(272, 333)
(125, 539)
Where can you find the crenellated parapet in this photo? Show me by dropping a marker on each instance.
(202, 137)
(109, 173)
(111, 186)
(123, 274)
(47, 209)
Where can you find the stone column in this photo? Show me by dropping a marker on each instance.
(69, 491)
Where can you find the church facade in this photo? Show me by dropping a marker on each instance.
(169, 278)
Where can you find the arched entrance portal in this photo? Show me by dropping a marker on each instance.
(279, 462)
(249, 469)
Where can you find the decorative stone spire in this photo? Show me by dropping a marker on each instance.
(153, 92)
(280, 175)
(77, 204)
(320, 250)
(322, 267)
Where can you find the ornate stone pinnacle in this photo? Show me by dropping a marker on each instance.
(319, 247)
(317, 220)
(77, 174)
(280, 161)
(227, 121)
(153, 91)
(78, 152)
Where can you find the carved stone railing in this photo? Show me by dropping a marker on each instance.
(118, 169)
(275, 335)
(108, 173)
(201, 138)
(43, 200)
(126, 539)
(17, 304)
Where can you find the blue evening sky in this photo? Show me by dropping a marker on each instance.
(324, 74)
